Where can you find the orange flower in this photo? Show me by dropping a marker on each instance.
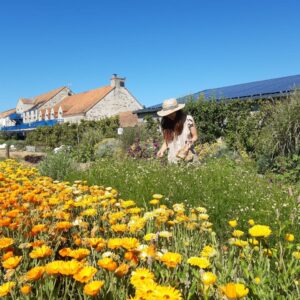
(107, 263)
(38, 228)
(79, 253)
(26, 289)
(63, 225)
(5, 242)
(7, 255)
(85, 274)
(53, 267)
(12, 262)
(70, 267)
(130, 243)
(40, 252)
(5, 222)
(6, 288)
(35, 273)
(122, 270)
(234, 290)
(93, 287)
(65, 252)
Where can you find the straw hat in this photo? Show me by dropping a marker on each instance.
(169, 106)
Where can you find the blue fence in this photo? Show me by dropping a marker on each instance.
(29, 126)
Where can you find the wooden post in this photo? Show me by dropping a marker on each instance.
(7, 148)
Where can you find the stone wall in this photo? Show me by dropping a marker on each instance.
(118, 100)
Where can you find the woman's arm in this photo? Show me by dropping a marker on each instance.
(162, 149)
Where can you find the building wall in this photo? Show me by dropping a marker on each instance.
(118, 100)
(6, 122)
(56, 99)
(21, 107)
(73, 119)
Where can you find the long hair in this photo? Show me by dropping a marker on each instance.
(172, 128)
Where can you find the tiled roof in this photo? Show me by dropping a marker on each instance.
(27, 101)
(47, 96)
(7, 113)
(128, 119)
(82, 102)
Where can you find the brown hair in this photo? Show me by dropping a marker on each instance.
(172, 128)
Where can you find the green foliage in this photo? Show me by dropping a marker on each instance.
(227, 188)
(58, 165)
(109, 147)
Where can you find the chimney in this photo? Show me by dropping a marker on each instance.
(117, 82)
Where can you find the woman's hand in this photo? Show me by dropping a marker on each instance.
(160, 154)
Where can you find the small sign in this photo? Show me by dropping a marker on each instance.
(120, 131)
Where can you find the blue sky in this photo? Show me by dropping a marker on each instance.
(165, 48)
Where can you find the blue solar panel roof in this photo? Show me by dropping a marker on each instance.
(256, 89)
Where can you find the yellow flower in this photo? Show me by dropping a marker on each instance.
(260, 231)
(154, 201)
(203, 217)
(79, 253)
(40, 252)
(53, 267)
(171, 259)
(6, 288)
(26, 289)
(114, 243)
(254, 242)
(85, 274)
(289, 237)
(130, 243)
(65, 225)
(6, 242)
(237, 233)
(208, 278)
(251, 222)
(157, 196)
(141, 276)
(119, 227)
(201, 262)
(12, 262)
(257, 280)
(70, 267)
(34, 273)
(232, 223)
(92, 288)
(150, 237)
(107, 263)
(166, 292)
(240, 243)
(296, 254)
(234, 290)
(208, 251)
(165, 234)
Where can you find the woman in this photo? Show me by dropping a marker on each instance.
(179, 132)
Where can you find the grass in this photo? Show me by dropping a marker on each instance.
(229, 189)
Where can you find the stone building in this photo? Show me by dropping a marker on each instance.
(95, 104)
(5, 119)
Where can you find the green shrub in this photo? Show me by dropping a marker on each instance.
(109, 147)
(58, 165)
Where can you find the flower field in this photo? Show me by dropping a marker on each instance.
(73, 241)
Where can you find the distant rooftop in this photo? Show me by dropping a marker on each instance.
(276, 87)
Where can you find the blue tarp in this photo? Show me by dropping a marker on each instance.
(29, 126)
(15, 116)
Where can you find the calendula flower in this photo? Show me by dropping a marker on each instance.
(130, 243)
(11, 262)
(234, 290)
(201, 262)
(70, 267)
(85, 274)
(6, 288)
(154, 201)
(6, 242)
(171, 259)
(38, 228)
(251, 222)
(65, 225)
(257, 280)
(166, 292)
(208, 278)
(107, 263)
(26, 289)
(150, 237)
(92, 288)
(237, 233)
(208, 251)
(119, 227)
(260, 231)
(289, 237)
(40, 252)
(53, 267)
(122, 270)
(296, 254)
(7, 255)
(79, 253)
(141, 276)
(34, 273)
(232, 223)
(165, 234)
(157, 196)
